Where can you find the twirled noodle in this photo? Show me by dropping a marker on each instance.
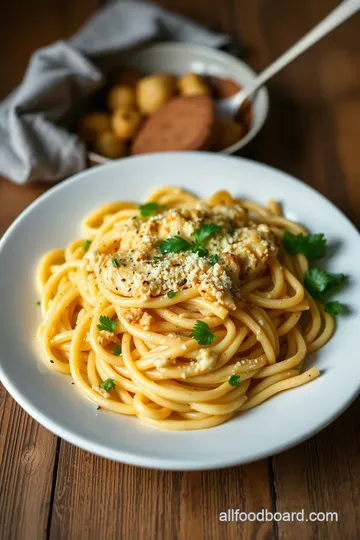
(263, 326)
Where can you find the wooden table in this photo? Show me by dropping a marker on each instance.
(50, 489)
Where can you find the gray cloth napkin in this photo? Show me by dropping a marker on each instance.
(34, 143)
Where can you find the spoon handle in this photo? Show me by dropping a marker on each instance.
(340, 14)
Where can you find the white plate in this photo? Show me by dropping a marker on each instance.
(285, 420)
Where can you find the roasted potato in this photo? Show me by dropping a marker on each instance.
(92, 124)
(125, 123)
(191, 84)
(108, 145)
(153, 91)
(121, 97)
(223, 88)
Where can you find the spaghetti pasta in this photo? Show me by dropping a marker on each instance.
(184, 335)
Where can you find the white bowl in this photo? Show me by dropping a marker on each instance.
(179, 58)
(53, 221)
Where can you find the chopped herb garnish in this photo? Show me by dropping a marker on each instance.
(202, 252)
(204, 232)
(87, 244)
(175, 244)
(38, 303)
(171, 294)
(117, 350)
(107, 324)
(149, 209)
(319, 282)
(156, 258)
(231, 231)
(115, 263)
(334, 308)
(213, 259)
(202, 333)
(234, 380)
(201, 235)
(108, 385)
(312, 245)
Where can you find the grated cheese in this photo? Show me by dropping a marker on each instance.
(242, 253)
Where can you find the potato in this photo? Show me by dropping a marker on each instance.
(153, 91)
(92, 124)
(108, 145)
(223, 88)
(128, 77)
(228, 133)
(121, 97)
(191, 84)
(125, 123)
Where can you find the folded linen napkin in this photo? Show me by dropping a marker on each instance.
(34, 141)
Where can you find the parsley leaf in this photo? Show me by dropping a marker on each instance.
(108, 385)
(213, 259)
(202, 333)
(156, 258)
(115, 263)
(234, 380)
(87, 244)
(319, 282)
(312, 245)
(171, 294)
(175, 244)
(117, 350)
(200, 236)
(38, 303)
(205, 231)
(231, 231)
(202, 252)
(149, 209)
(334, 308)
(107, 324)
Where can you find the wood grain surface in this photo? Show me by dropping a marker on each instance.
(50, 489)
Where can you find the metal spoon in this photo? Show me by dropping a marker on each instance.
(229, 107)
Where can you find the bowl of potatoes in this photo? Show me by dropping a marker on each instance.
(162, 98)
